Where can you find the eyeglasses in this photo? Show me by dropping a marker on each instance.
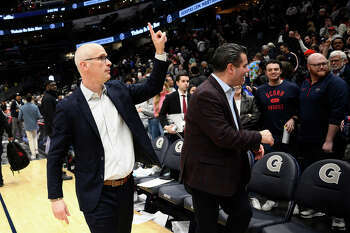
(100, 58)
(318, 65)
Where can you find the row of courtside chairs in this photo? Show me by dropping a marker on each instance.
(324, 186)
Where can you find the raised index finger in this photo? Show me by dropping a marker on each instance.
(151, 29)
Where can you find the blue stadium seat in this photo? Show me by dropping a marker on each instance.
(324, 186)
(174, 193)
(274, 177)
(160, 146)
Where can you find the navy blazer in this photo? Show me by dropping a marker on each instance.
(74, 125)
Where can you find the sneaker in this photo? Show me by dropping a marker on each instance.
(310, 213)
(255, 203)
(66, 177)
(296, 210)
(338, 224)
(33, 157)
(269, 205)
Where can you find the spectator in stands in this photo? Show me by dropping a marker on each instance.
(332, 44)
(265, 52)
(215, 146)
(323, 99)
(3, 106)
(4, 126)
(173, 68)
(347, 48)
(191, 89)
(17, 126)
(278, 103)
(291, 57)
(154, 125)
(204, 68)
(247, 109)
(100, 121)
(30, 114)
(328, 27)
(48, 109)
(196, 78)
(303, 46)
(339, 65)
(170, 82)
(338, 43)
(287, 68)
(175, 103)
(272, 50)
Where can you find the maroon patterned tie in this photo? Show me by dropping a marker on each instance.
(184, 106)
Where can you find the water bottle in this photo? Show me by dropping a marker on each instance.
(286, 136)
(346, 130)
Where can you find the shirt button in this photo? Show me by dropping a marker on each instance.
(102, 158)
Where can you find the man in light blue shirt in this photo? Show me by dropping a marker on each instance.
(30, 113)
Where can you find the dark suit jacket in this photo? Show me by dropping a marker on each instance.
(47, 109)
(74, 125)
(14, 107)
(214, 158)
(171, 105)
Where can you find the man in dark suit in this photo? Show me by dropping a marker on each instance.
(214, 162)
(48, 109)
(175, 102)
(17, 125)
(100, 120)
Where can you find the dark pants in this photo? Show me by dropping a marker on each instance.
(310, 153)
(115, 210)
(206, 209)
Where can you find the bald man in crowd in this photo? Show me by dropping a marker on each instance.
(323, 100)
(100, 120)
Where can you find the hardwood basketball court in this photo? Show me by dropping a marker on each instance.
(25, 196)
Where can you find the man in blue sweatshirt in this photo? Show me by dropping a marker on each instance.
(323, 105)
(323, 100)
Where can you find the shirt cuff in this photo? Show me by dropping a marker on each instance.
(161, 57)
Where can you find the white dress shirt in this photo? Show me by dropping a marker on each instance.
(238, 105)
(229, 92)
(115, 135)
(181, 100)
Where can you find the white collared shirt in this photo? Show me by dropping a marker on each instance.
(229, 92)
(181, 100)
(116, 137)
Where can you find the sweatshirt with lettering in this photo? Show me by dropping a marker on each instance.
(277, 105)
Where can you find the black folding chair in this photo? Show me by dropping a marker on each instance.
(324, 186)
(275, 177)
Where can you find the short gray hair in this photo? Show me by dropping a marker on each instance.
(339, 53)
(265, 47)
